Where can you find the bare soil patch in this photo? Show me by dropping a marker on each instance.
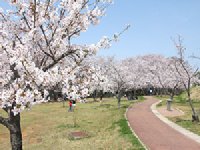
(173, 113)
(78, 135)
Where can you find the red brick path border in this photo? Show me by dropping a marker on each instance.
(154, 133)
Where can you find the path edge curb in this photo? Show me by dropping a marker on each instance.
(173, 125)
(125, 115)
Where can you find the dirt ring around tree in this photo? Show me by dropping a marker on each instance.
(76, 135)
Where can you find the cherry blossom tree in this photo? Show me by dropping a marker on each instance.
(173, 79)
(134, 74)
(187, 73)
(117, 78)
(37, 53)
(155, 70)
(164, 75)
(99, 85)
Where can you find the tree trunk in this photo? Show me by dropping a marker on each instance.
(63, 103)
(101, 95)
(119, 95)
(172, 95)
(195, 117)
(135, 95)
(15, 132)
(94, 95)
(156, 92)
(119, 100)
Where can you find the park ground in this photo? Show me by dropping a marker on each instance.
(180, 103)
(47, 127)
(153, 132)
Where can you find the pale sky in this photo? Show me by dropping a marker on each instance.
(153, 24)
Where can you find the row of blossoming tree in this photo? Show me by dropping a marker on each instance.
(165, 75)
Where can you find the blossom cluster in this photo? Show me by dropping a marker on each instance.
(37, 53)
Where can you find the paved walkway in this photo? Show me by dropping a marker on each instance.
(154, 133)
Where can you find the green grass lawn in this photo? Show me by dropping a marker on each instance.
(46, 127)
(186, 120)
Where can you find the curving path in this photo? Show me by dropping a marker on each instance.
(154, 133)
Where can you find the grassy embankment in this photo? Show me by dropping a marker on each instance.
(181, 103)
(46, 127)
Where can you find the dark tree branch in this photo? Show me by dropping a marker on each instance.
(5, 122)
(34, 11)
(26, 21)
(47, 42)
(59, 59)
(53, 33)
(75, 32)
(5, 109)
(49, 55)
(45, 37)
(19, 39)
(46, 10)
(3, 17)
(42, 61)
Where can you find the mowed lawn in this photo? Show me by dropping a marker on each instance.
(46, 127)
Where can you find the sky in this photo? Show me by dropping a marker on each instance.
(154, 23)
